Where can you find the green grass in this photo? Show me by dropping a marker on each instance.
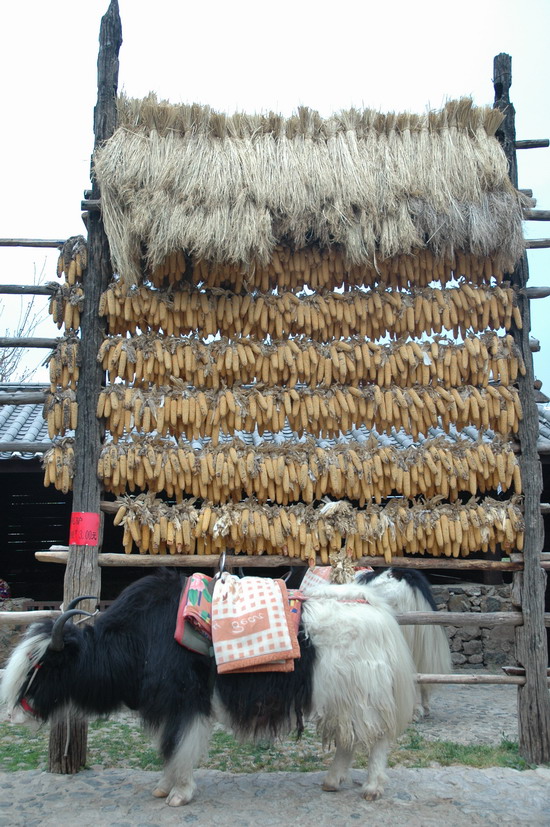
(118, 744)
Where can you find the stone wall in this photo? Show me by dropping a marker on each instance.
(472, 647)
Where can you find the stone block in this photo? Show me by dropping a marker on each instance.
(457, 659)
(491, 604)
(475, 659)
(458, 603)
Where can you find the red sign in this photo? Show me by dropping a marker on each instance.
(84, 529)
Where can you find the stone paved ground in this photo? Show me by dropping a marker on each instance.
(453, 796)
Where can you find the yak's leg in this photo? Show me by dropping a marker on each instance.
(177, 784)
(339, 768)
(376, 778)
(425, 693)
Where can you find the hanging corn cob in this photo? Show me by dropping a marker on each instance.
(321, 317)
(155, 359)
(64, 364)
(323, 269)
(61, 412)
(452, 530)
(73, 259)
(65, 306)
(58, 464)
(360, 472)
(180, 409)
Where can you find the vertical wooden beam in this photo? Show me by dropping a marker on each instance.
(531, 647)
(82, 575)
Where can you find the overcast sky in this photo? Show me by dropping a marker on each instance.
(251, 56)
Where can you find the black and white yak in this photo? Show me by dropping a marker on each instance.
(407, 590)
(354, 679)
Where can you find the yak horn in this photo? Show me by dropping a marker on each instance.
(57, 643)
(76, 600)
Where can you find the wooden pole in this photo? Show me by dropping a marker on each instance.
(26, 398)
(531, 646)
(536, 143)
(27, 341)
(82, 574)
(32, 242)
(28, 289)
(59, 554)
(25, 447)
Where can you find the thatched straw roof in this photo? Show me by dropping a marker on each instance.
(227, 189)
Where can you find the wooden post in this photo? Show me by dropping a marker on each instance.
(531, 647)
(82, 575)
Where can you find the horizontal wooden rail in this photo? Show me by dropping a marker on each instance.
(459, 678)
(32, 242)
(58, 554)
(27, 341)
(535, 292)
(485, 619)
(536, 215)
(537, 243)
(91, 205)
(517, 670)
(26, 618)
(534, 344)
(25, 398)
(28, 289)
(25, 447)
(533, 143)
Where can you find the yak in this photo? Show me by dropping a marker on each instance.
(354, 678)
(407, 590)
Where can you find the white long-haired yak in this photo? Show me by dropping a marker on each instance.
(354, 678)
(407, 590)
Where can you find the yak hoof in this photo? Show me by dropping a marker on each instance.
(180, 796)
(372, 795)
(330, 788)
(159, 792)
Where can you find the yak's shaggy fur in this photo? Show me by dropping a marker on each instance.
(407, 590)
(228, 189)
(355, 678)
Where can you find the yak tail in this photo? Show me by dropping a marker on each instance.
(429, 644)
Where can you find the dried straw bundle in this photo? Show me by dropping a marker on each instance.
(228, 189)
(308, 533)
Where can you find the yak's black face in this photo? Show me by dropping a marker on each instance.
(38, 679)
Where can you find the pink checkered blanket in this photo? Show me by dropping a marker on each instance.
(252, 625)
